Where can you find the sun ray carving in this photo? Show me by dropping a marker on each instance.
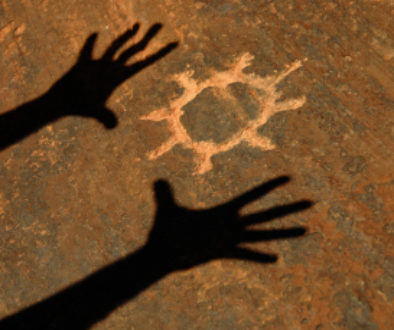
(267, 101)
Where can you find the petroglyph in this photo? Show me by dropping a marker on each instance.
(264, 92)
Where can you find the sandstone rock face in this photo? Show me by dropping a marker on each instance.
(253, 91)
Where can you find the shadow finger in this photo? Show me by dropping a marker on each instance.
(269, 235)
(140, 45)
(257, 192)
(106, 117)
(246, 254)
(87, 49)
(138, 66)
(118, 42)
(276, 212)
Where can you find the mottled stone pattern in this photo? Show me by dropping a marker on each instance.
(75, 196)
(208, 139)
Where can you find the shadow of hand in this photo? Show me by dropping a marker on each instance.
(180, 239)
(84, 90)
(184, 238)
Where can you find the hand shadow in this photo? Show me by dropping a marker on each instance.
(180, 238)
(84, 89)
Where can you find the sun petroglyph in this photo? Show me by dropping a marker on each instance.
(265, 93)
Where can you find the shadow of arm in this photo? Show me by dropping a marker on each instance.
(92, 299)
(180, 238)
(26, 119)
(84, 89)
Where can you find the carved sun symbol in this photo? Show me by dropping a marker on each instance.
(266, 96)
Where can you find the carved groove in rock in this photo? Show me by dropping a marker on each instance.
(204, 150)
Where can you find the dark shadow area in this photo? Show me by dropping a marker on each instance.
(84, 89)
(181, 238)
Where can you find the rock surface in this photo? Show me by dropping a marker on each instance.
(76, 197)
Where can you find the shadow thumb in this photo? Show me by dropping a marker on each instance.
(163, 194)
(107, 118)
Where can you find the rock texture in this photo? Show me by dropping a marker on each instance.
(312, 99)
